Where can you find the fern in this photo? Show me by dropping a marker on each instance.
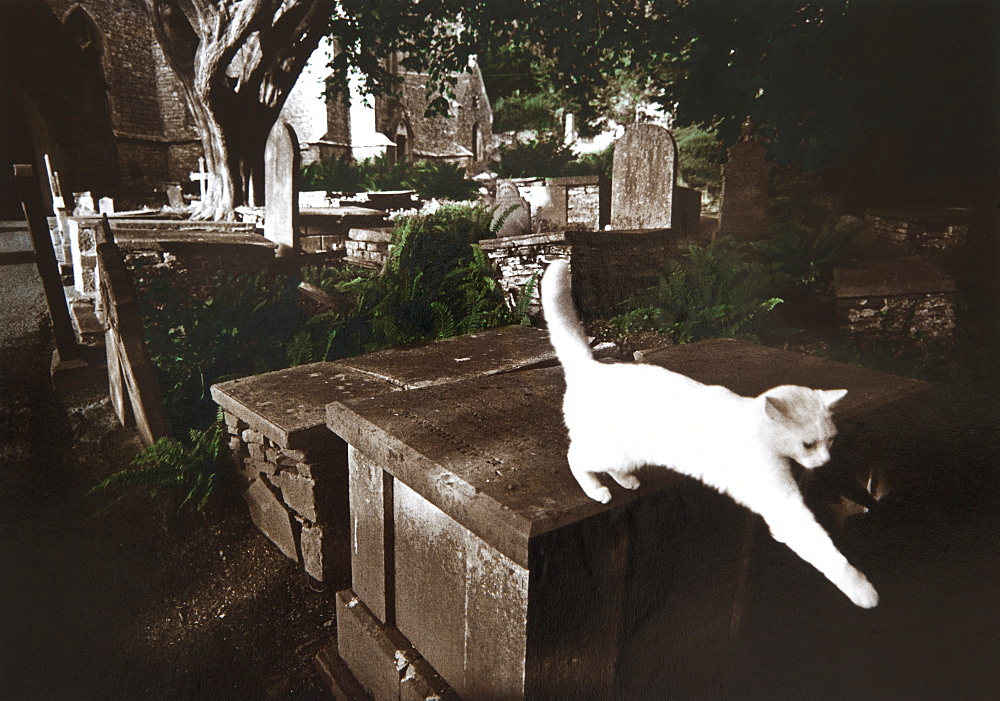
(713, 292)
(191, 470)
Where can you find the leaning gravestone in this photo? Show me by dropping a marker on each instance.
(743, 212)
(508, 201)
(281, 185)
(643, 177)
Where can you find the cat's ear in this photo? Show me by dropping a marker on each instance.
(778, 409)
(832, 396)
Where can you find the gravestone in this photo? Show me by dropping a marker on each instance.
(743, 211)
(281, 185)
(518, 219)
(175, 197)
(643, 178)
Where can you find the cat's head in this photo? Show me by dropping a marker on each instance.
(802, 427)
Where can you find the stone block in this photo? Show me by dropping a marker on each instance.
(251, 436)
(298, 493)
(313, 556)
(271, 517)
(370, 494)
(378, 655)
(421, 682)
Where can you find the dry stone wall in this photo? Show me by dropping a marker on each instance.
(903, 233)
(291, 492)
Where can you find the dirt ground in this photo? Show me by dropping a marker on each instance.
(104, 600)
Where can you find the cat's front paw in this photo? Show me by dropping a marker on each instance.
(859, 589)
(601, 494)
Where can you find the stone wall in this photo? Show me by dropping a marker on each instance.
(907, 301)
(368, 247)
(194, 252)
(915, 232)
(608, 267)
(293, 493)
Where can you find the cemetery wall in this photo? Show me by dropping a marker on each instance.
(905, 233)
(608, 267)
(194, 255)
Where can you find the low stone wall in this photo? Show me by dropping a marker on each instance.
(608, 266)
(901, 232)
(196, 251)
(368, 247)
(295, 495)
(900, 301)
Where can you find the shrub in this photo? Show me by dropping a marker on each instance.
(699, 152)
(712, 292)
(441, 181)
(800, 255)
(332, 175)
(382, 173)
(239, 330)
(436, 283)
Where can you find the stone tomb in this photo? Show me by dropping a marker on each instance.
(479, 567)
(294, 471)
(906, 300)
(579, 203)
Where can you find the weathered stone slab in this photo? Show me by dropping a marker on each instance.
(891, 278)
(288, 406)
(371, 499)
(743, 210)
(271, 518)
(281, 185)
(643, 177)
(486, 352)
(513, 208)
(750, 369)
(377, 655)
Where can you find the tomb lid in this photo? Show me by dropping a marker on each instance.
(485, 352)
(491, 451)
(891, 278)
(575, 180)
(288, 406)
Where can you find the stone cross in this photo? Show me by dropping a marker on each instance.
(643, 178)
(743, 210)
(281, 185)
(201, 177)
(518, 219)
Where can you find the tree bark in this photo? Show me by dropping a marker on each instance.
(236, 61)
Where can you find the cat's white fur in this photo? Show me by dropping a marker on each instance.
(624, 416)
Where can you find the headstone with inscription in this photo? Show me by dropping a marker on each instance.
(281, 185)
(643, 178)
(513, 209)
(743, 212)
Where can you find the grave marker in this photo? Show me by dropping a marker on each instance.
(281, 186)
(518, 219)
(643, 178)
(201, 177)
(743, 212)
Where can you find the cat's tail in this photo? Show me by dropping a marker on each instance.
(565, 330)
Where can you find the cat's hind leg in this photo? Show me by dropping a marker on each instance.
(625, 479)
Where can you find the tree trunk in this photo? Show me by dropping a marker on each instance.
(236, 62)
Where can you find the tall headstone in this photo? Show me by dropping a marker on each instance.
(281, 186)
(643, 178)
(743, 211)
(513, 208)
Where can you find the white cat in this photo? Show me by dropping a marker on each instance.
(624, 416)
